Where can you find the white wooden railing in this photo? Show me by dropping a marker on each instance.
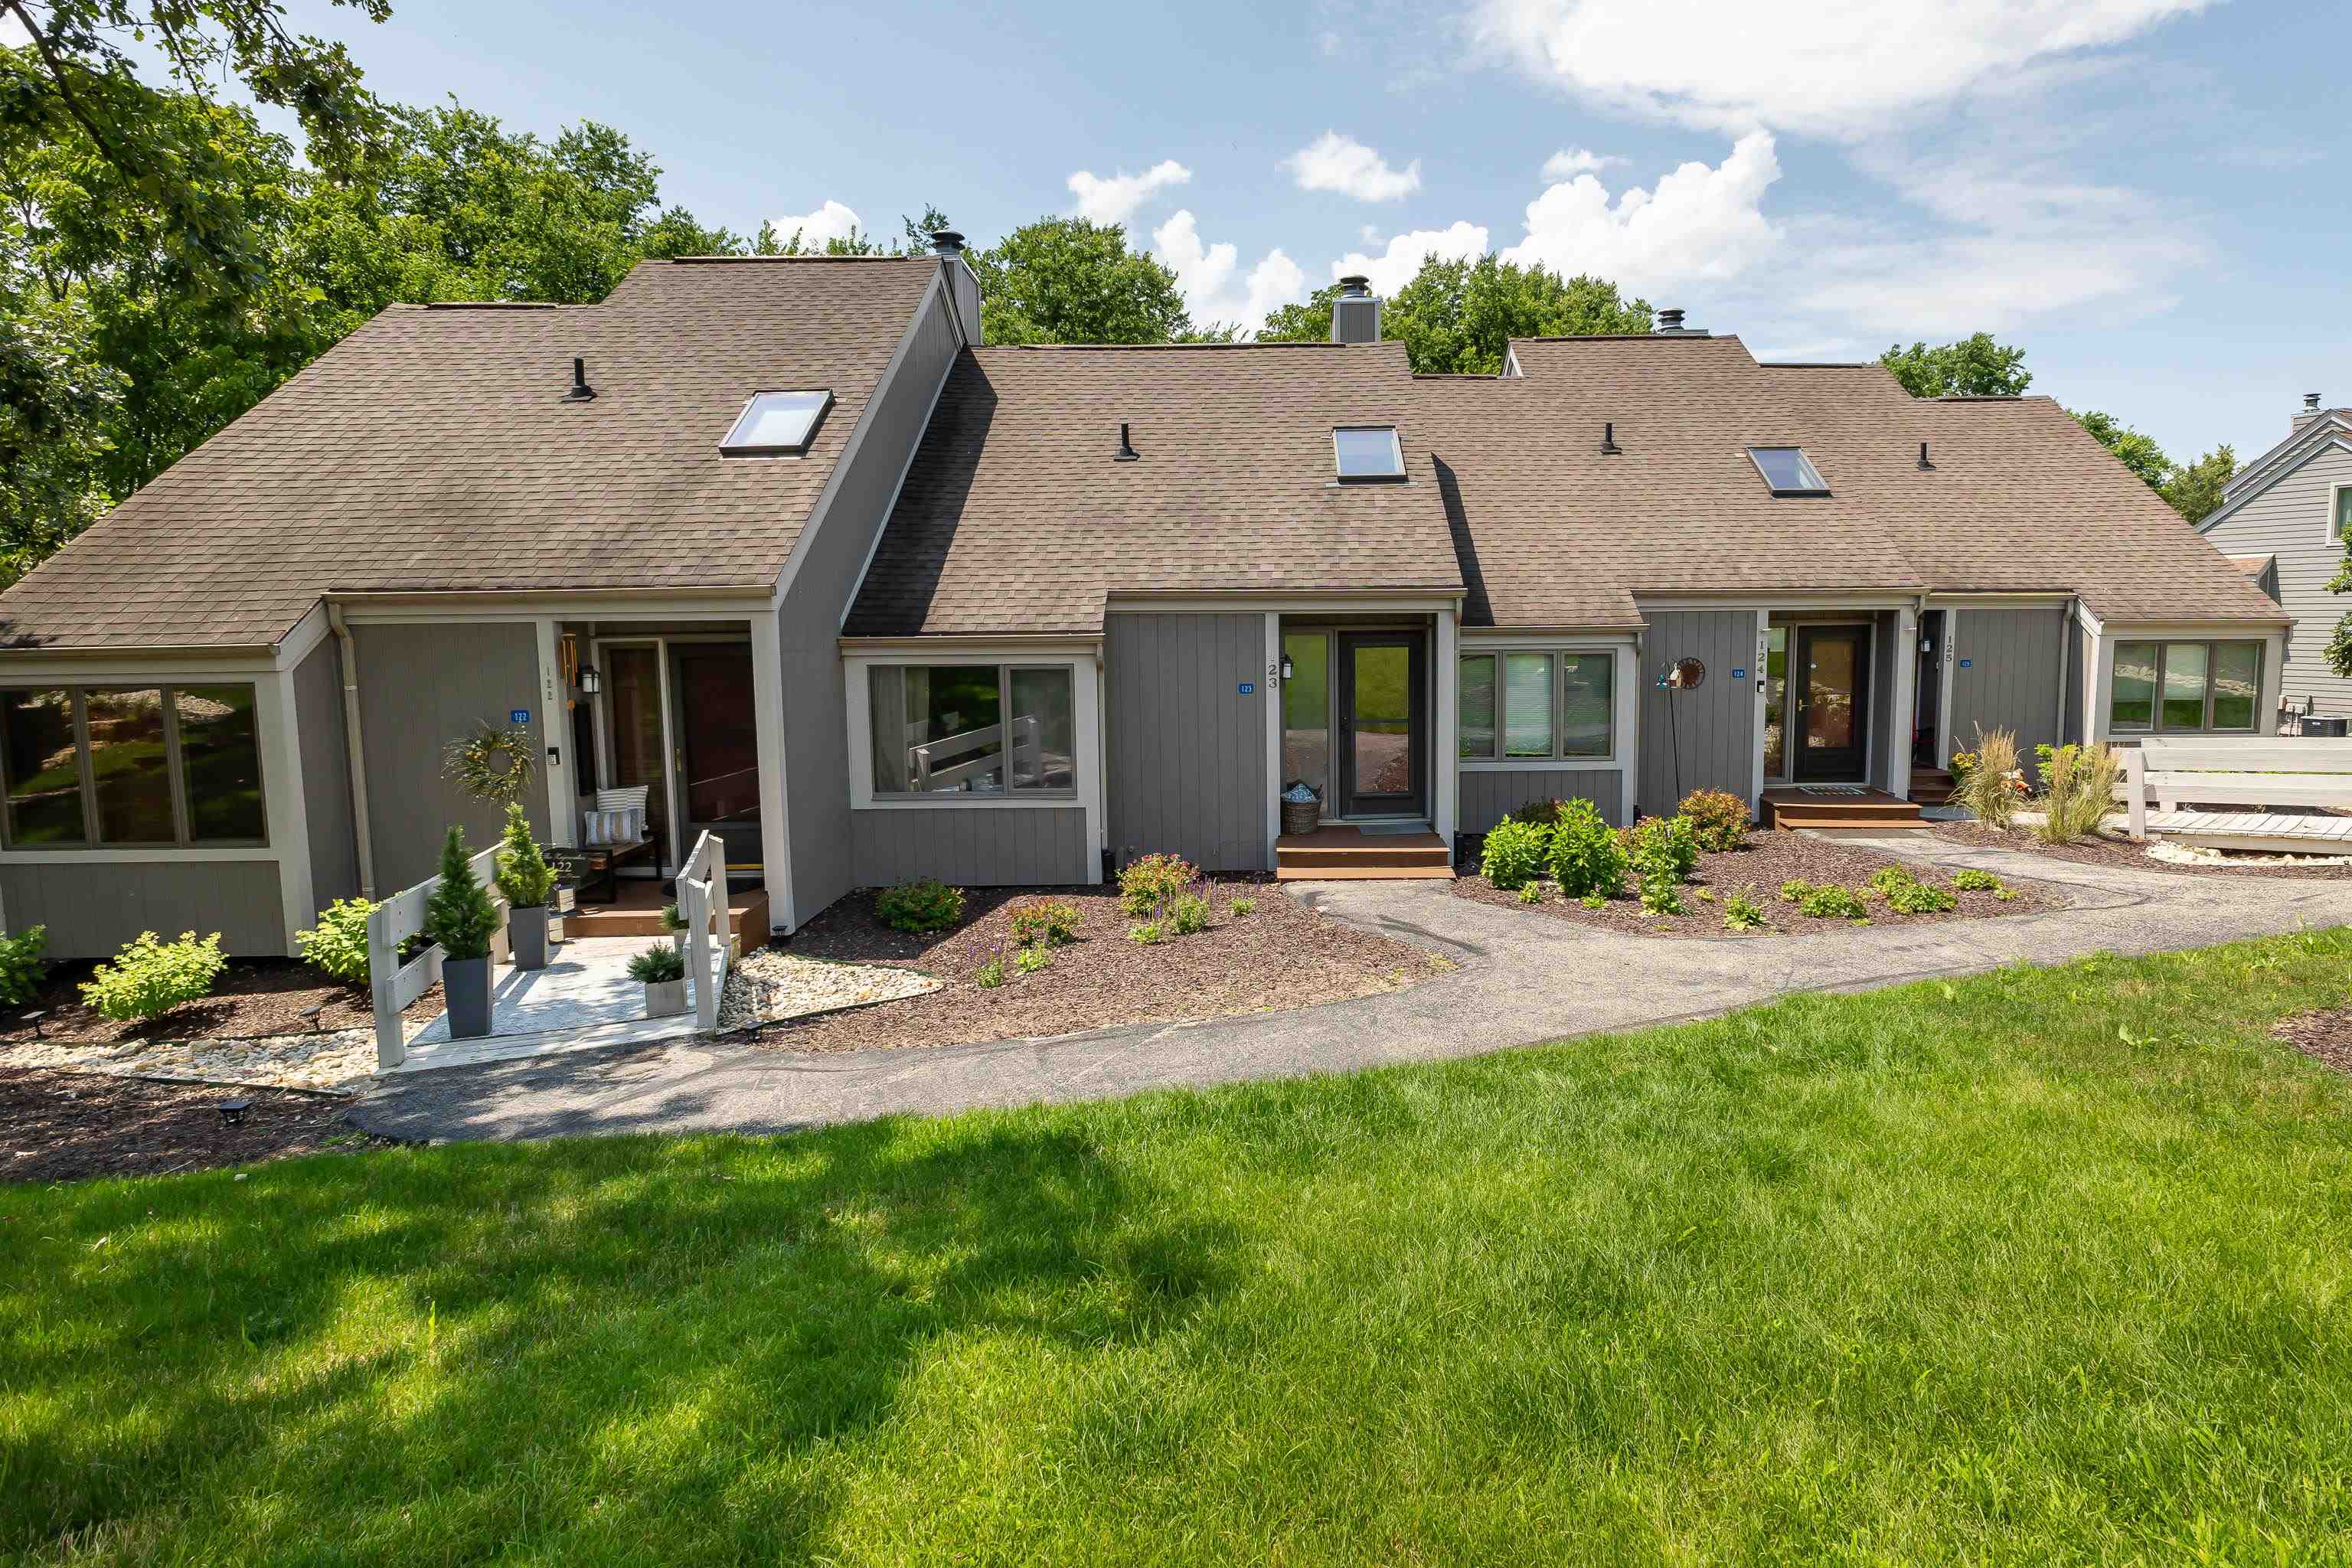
(2221, 770)
(396, 985)
(710, 943)
(933, 765)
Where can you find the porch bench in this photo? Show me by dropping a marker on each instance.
(604, 861)
(2253, 771)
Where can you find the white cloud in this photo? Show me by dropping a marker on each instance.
(1336, 162)
(1570, 162)
(1207, 275)
(1841, 69)
(1394, 268)
(1700, 222)
(1116, 199)
(14, 33)
(831, 221)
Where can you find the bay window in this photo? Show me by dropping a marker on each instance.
(1541, 705)
(2185, 688)
(972, 729)
(136, 767)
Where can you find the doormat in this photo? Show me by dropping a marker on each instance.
(1389, 829)
(1833, 789)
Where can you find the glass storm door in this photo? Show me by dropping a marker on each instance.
(1831, 681)
(1382, 683)
(718, 749)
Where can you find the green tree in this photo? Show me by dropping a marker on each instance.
(916, 240)
(1069, 280)
(1975, 367)
(2135, 451)
(1458, 317)
(459, 913)
(2195, 491)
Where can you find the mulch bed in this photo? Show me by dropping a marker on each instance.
(1767, 860)
(254, 998)
(2117, 852)
(1280, 956)
(71, 1126)
(2325, 1037)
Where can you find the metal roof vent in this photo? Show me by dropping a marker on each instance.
(1126, 452)
(946, 242)
(1609, 446)
(581, 391)
(1670, 325)
(1356, 313)
(2311, 403)
(1923, 464)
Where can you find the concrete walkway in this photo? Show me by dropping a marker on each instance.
(1524, 978)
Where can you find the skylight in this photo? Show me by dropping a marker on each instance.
(776, 424)
(1789, 471)
(1368, 452)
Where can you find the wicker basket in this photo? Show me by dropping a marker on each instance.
(1301, 815)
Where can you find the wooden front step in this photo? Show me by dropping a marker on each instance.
(746, 916)
(1348, 854)
(1932, 786)
(1875, 811)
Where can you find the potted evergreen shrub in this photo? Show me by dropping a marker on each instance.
(527, 879)
(673, 923)
(662, 971)
(460, 919)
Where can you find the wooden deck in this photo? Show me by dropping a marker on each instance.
(2271, 832)
(1351, 854)
(637, 912)
(1870, 810)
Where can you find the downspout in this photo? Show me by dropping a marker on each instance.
(357, 752)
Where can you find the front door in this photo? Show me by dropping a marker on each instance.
(1927, 724)
(716, 750)
(1383, 753)
(1832, 682)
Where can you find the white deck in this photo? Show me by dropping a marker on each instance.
(2255, 830)
(582, 1000)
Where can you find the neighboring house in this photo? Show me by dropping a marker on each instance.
(2289, 508)
(795, 553)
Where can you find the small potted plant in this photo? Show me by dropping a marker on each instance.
(673, 923)
(527, 879)
(1302, 808)
(662, 971)
(460, 919)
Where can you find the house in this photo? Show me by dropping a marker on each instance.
(2282, 518)
(782, 543)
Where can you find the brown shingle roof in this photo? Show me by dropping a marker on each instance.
(433, 450)
(1015, 518)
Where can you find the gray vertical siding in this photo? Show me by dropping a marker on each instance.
(1186, 750)
(2289, 521)
(2011, 678)
(831, 561)
(1715, 726)
(91, 910)
(326, 775)
(422, 687)
(2079, 655)
(972, 847)
(1486, 795)
(1882, 655)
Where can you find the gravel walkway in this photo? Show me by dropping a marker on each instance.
(1518, 982)
(332, 1060)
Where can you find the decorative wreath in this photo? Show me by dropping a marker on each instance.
(493, 764)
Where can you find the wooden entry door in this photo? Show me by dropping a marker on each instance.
(1383, 760)
(717, 749)
(1831, 687)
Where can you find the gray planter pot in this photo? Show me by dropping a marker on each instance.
(527, 934)
(466, 986)
(665, 998)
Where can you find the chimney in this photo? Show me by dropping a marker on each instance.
(946, 242)
(581, 391)
(2310, 412)
(1670, 325)
(1356, 313)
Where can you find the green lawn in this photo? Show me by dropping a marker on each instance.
(2051, 1266)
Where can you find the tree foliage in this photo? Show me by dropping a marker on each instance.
(1458, 317)
(1975, 367)
(2137, 452)
(2195, 489)
(1070, 280)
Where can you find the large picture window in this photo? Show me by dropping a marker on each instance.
(131, 766)
(2185, 688)
(1541, 705)
(974, 728)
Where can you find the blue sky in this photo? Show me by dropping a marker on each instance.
(2134, 190)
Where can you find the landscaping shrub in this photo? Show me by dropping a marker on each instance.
(1992, 787)
(2078, 789)
(1718, 818)
(1963, 765)
(1663, 845)
(149, 977)
(1537, 812)
(1887, 879)
(1532, 892)
(338, 946)
(992, 974)
(673, 918)
(23, 962)
(1829, 901)
(1919, 899)
(925, 904)
(1147, 885)
(1795, 887)
(657, 963)
(1147, 933)
(1514, 854)
(524, 875)
(1030, 960)
(1742, 913)
(1187, 914)
(1587, 855)
(1975, 881)
(1044, 922)
(1244, 906)
(459, 915)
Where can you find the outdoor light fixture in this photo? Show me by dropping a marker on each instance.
(1286, 667)
(233, 1111)
(591, 682)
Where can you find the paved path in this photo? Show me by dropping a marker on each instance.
(1523, 978)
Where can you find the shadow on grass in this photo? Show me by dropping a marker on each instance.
(621, 1348)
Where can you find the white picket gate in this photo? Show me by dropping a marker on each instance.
(396, 985)
(710, 943)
